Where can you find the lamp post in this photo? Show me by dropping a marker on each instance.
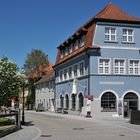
(23, 100)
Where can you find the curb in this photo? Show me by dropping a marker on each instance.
(8, 131)
(38, 135)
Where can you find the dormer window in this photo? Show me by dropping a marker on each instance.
(61, 53)
(71, 48)
(81, 41)
(110, 34)
(66, 51)
(76, 45)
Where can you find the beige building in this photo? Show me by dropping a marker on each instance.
(44, 93)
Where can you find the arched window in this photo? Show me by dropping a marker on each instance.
(108, 101)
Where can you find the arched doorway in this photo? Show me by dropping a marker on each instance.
(67, 101)
(61, 101)
(130, 102)
(81, 101)
(108, 102)
(73, 97)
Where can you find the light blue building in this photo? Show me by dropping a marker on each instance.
(101, 60)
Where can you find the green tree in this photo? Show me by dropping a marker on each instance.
(32, 62)
(10, 81)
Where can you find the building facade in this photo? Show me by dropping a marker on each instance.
(45, 93)
(100, 62)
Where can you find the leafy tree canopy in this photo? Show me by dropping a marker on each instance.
(11, 80)
(34, 59)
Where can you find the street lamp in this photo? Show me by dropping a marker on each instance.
(23, 100)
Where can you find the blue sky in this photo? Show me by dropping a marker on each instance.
(44, 24)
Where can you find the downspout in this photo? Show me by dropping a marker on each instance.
(88, 71)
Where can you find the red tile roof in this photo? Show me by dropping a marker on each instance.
(47, 78)
(110, 13)
(42, 70)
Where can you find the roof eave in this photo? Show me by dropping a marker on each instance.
(87, 48)
(116, 20)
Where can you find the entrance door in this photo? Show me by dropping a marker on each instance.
(130, 103)
(81, 101)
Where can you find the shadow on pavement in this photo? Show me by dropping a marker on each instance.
(30, 123)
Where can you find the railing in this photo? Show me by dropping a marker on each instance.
(7, 128)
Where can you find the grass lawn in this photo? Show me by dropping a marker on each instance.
(3, 119)
(6, 122)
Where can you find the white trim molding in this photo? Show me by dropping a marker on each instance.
(120, 48)
(132, 91)
(111, 83)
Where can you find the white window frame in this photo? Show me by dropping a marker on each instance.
(66, 51)
(76, 45)
(133, 67)
(71, 72)
(61, 54)
(71, 48)
(65, 78)
(74, 70)
(119, 66)
(81, 41)
(83, 68)
(127, 35)
(110, 34)
(60, 76)
(109, 66)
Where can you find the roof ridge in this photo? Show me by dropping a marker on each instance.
(103, 10)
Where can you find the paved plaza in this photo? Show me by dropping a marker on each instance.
(48, 126)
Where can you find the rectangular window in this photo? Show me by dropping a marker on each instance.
(61, 76)
(134, 67)
(81, 41)
(110, 34)
(66, 51)
(128, 35)
(71, 48)
(61, 53)
(70, 72)
(104, 66)
(81, 68)
(65, 74)
(75, 70)
(76, 45)
(119, 66)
